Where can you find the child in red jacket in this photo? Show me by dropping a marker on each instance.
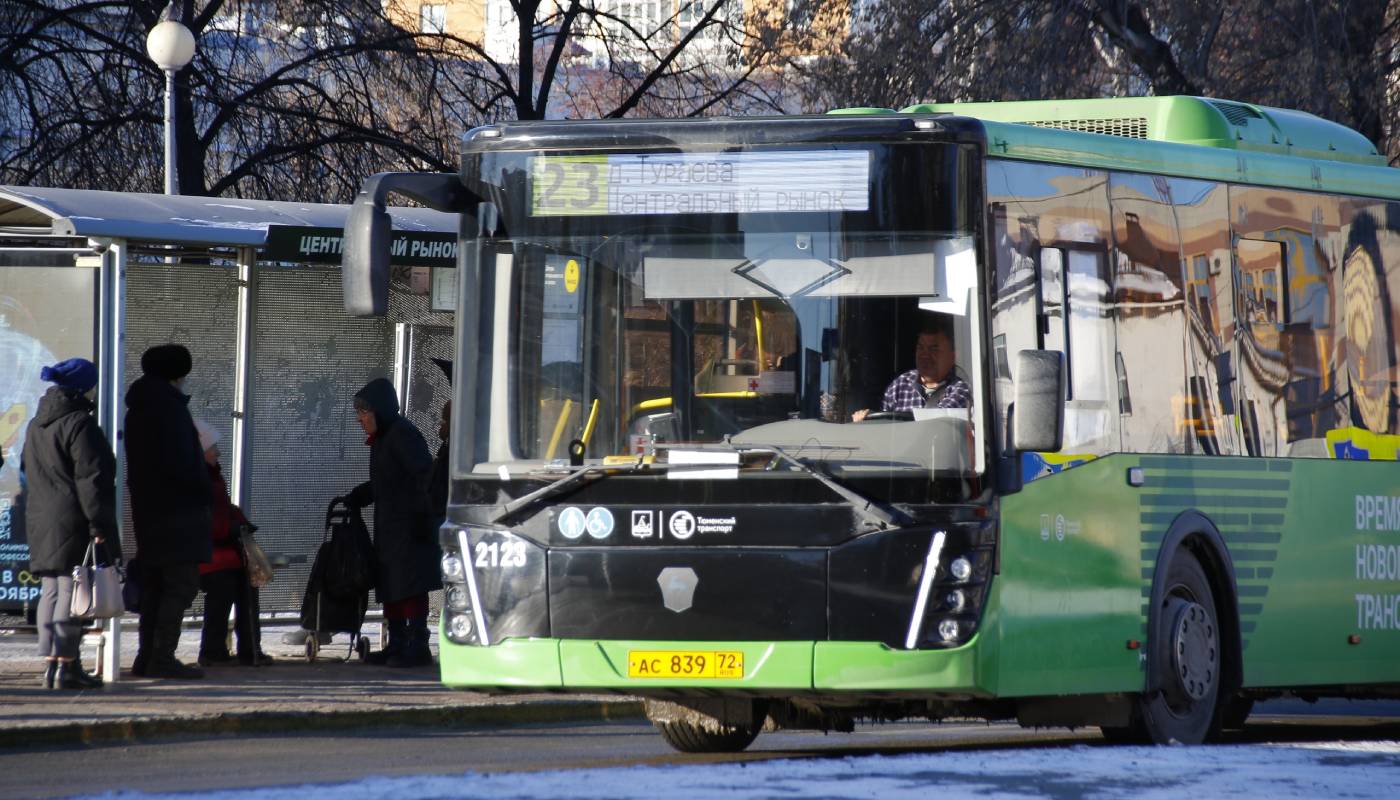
(224, 578)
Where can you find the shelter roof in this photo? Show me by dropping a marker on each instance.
(180, 219)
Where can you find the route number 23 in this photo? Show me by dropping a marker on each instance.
(566, 186)
(497, 555)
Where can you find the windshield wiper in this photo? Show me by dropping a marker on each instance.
(877, 515)
(557, 487)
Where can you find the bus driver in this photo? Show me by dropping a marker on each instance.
(933, 383)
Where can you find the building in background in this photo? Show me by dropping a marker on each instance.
(631, 29)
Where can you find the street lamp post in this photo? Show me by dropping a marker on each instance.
(171, 46)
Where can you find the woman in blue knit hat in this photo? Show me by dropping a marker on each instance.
(70, 485)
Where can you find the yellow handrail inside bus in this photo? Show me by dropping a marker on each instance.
(758, 335)
(592, 421)
(665, 402)
(559, 429)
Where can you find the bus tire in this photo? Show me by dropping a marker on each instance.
(687, 737)
(1188, 645)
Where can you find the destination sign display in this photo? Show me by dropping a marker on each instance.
(307, 245)
(700, 183)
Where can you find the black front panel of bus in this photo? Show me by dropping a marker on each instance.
(874, 584)
(738, 594)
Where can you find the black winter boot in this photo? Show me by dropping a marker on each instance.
(141, 662)
(50, 672)
(397, 633)
(163, 663)
(144, 646)
(72, 676)
(415, 652)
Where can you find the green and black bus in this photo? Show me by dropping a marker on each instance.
(1169, 491)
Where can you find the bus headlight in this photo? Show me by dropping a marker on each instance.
(954, 601)
(456, 596)
(459, 628)
(948, 630)
(452, 569)
(960, 569)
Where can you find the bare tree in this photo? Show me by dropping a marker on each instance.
(1339, 59)
(614, 58)
(300, 99)
(286, 98)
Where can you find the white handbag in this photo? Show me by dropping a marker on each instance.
(97, 589)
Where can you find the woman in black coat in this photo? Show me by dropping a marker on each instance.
(171, 507)
(70, 486)
(405, 526)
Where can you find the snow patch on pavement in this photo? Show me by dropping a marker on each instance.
(1337, 770)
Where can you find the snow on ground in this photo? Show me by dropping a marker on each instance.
(1337, 771)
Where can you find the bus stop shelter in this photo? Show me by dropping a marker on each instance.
(252, 288)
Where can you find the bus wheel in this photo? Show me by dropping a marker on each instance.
(1187, 650)
(688, 737)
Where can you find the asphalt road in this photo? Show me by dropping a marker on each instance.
(199, 764)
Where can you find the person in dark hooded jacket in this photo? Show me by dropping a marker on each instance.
(405, 526)
(171, 506)
(70, 486)
(438, 482)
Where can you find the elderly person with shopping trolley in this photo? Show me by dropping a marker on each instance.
(405, 524)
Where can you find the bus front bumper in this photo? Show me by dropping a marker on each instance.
(589, 665)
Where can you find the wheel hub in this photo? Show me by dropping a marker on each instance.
(1195, 651)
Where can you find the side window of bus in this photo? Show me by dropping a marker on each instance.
(1074, 310)
(1290, 395)
(1263, 280)
(1091, 335)
(1152, 216)
(1262, 306)
(1052, 300)
(1367, 285)
(1051, 228)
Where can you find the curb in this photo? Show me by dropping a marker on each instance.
(255, 722)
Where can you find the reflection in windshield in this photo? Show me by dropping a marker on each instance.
(639, 303)
(632, 345)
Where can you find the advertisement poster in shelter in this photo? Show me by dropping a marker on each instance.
(47, 314)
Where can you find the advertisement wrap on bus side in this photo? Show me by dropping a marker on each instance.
(1378, 562)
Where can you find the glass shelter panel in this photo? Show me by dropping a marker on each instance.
(47, 314)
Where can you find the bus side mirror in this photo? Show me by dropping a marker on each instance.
(364, 260)
(1038, 423)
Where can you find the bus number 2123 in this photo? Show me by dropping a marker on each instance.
(495, 555)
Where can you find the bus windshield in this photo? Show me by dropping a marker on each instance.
(843, 331)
